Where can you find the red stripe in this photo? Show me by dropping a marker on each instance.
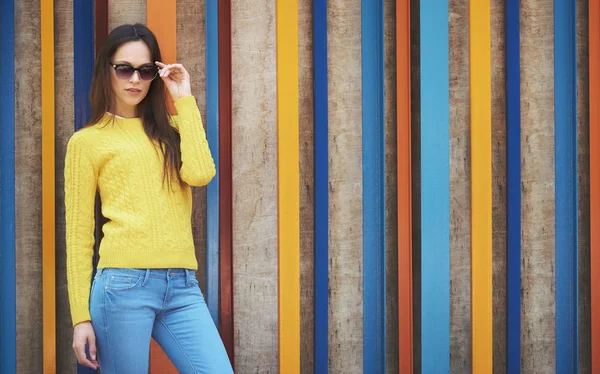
(225, 181)
(594, 53)
(101, 18)
(405, 316)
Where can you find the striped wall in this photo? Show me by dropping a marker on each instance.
(402, 185)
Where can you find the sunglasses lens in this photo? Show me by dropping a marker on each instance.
(148, 73)
(124, 71)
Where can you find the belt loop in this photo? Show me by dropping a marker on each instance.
(187, 277)
(146, 277)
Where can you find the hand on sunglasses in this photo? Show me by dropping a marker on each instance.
(176, 78)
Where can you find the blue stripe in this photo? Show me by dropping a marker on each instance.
(435, 188)
(83, 40)
(513, 114)
(212, 132)
(373, 152)
(565, 112)
(321, 186)
(8, 337)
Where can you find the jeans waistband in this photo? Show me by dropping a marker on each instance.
(151, 273)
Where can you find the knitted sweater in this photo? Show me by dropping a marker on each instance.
(148, 225)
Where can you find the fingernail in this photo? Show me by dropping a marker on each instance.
(93, 357)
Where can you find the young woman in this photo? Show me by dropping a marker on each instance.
(143, 162)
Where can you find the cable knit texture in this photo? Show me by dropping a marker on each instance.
(149, 226)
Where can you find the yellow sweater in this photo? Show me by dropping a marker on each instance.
(148, 225)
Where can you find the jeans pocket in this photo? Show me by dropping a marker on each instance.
(117, 282)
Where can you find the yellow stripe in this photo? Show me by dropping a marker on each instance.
(48, 213)
(481, 185)
(288, 186)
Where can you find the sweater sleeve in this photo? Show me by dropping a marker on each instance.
(80, 193)
(198, 166)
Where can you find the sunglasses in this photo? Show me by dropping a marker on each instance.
(124, 71)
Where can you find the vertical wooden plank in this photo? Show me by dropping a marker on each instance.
(83, 19)
(288, 183)
(307, 119)
(499, 183)
(321, 348)
(565, 131)
(594, 65)
(48, 192)
(373, 173)
(583, 150)
(345, 187)
(28, 188)
(83, 40)
(8, 337)
(64, 101)
(460, 188)
(255, 234)
(126, 11)
(191, 49)
(161, 18)
(435, 188)
(481, 184)
(513, 110)
(415, 114)
(404, 149)
(390, 121)
(212, 133)
(537, 188)
(100, 22)
(226, 316)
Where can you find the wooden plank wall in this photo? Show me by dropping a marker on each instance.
(255, 234)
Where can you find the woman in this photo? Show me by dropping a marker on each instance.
(143, 162)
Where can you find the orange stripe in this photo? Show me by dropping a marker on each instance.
(594, 51)
(405, 317)
(162, 20)
(48, 210)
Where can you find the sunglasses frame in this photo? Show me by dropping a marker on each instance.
(139, 71)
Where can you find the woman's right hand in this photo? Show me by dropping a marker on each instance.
(83, 334)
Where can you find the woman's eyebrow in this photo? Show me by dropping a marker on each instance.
(123, 62)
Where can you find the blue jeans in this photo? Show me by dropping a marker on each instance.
(129, 306)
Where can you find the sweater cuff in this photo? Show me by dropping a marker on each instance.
(80, 315)
(186, 103)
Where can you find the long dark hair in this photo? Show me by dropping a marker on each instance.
(152, 109)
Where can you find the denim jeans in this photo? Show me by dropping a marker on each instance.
(129, 306)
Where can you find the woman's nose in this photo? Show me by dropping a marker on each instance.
(135, 77)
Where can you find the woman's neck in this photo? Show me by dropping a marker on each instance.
(124, 111)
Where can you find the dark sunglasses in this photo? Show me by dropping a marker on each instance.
(124, 71)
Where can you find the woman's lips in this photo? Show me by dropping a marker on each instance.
(133, 91)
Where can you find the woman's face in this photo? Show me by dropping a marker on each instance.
(130, 91)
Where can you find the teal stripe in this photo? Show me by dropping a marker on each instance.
(212, 133)
(8, 333)
(435, 188)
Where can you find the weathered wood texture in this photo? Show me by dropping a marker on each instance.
(460, 188)
(537, 167)
(307, 182)
(28, 185)
(391, 187)
(254, 121)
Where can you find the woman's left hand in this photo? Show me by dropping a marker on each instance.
(176, 78)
